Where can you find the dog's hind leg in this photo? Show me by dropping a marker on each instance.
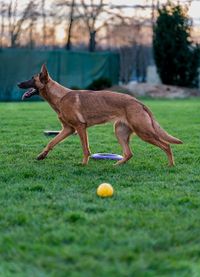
(123, 133)
(65, 132)
(170, 155)
(145, 128)
(81, 130)
(159, 143)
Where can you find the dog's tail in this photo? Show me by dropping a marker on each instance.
(162, 134)
(165, 136)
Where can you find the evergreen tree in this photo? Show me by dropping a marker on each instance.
(176, 57)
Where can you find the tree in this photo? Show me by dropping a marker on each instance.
(32, 18)
(98, 15)
(16, 20)
(71, 20)
(90, 15)
(70, 15)
(176, 57)
(2, 25)
(44, 31)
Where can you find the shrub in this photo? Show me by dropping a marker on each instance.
(100, 84)
(75, 88)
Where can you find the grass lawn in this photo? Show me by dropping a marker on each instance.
(53, 224)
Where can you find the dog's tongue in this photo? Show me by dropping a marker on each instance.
(29, 93)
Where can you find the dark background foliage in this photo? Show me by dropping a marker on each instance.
(176, 57)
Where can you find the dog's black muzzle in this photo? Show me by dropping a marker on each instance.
(27, 84)
(30, 85)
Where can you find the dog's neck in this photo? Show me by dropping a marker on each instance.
(53, 92)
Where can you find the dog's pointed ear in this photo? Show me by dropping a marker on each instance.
(44, 75)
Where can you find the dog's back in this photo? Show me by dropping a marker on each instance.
(97, 107)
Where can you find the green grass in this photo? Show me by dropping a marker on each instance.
(53, 224)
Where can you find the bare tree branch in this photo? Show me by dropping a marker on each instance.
(16, 21)
(70, 16)
(3, 8)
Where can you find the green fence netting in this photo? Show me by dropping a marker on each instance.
(70, 68)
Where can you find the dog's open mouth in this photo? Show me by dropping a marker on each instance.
(30, 93)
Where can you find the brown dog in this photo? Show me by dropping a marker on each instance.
(80, 109)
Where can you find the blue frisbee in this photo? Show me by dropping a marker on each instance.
(106, 156)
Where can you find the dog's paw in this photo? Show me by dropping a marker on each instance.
(85, 161)
(42, 156)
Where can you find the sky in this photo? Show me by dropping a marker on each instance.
(193, 10)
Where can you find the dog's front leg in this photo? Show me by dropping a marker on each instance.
(81, 129)
(66, 131)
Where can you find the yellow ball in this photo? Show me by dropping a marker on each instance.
(105, 190)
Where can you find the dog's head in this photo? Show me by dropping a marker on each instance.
(36, 83)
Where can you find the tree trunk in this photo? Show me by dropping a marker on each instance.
(92, 42)
(13, 40)
(44, 35)
(71, 20)
(69, 44)
(2, 24)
